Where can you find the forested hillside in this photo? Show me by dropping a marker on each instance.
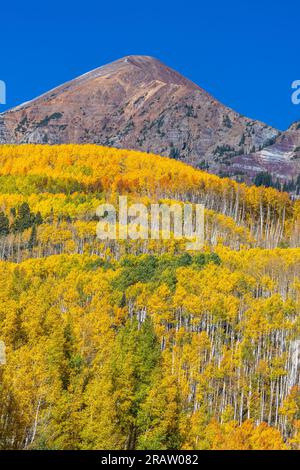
(141, 344)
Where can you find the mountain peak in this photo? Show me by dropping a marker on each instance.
(137, 102)
(133, 70)
(144, 59)
(142, 68)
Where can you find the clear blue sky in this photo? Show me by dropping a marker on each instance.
(246, 53)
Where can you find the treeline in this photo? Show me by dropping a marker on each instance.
(105, 171)
(265, 179)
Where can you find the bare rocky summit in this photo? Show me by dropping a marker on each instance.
(139, 103)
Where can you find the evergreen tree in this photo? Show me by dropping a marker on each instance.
(135, 362)
(33, 240)
(4, 225)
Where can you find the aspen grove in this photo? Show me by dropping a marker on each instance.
(140, 344)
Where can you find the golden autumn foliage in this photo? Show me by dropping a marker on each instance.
(140, 344)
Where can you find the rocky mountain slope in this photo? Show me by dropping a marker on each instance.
(281, 159)
(139, 103)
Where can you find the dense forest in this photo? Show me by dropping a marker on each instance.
(140, 344)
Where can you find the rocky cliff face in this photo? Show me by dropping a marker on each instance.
(137, 102)
(281, 159)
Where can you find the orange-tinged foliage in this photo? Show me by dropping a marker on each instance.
(139, 344)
